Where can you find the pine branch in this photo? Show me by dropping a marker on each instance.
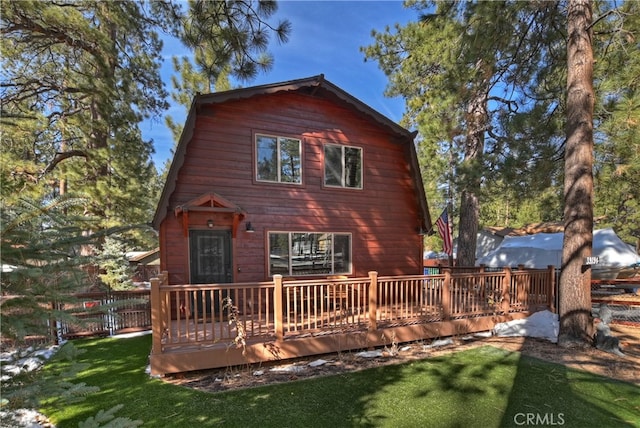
(61, 156)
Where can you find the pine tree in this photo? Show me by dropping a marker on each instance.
(229, 39)
(42, 265)
(113, 262)
(458, 67)
(79, 78)
(521, 172)
(575, 280)
(617, 120)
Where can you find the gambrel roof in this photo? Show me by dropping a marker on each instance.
(316, 86)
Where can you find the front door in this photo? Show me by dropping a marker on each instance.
(210, 255)
(210, 258)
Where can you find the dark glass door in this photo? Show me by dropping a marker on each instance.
(210, 259)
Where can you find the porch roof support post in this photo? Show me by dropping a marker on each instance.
(506, 284)
(277, 307)
(373, 300)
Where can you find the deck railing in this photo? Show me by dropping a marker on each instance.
(196, 316)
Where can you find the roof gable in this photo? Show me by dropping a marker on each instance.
(209, 202)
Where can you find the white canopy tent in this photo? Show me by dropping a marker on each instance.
(544, 249)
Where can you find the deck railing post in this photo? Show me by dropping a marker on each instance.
(165, 306)
(373, 300)
(551, 291)
(156, 321)
(446, 295)
(278, 314)
(506, 285)
(523, 286)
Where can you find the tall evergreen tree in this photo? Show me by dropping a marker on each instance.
(78, 79)
(575, 280)
(617, 120)
(79, 76)
(459, 68)
(521, 172)
(229, 39)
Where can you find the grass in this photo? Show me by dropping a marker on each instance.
(482, 387)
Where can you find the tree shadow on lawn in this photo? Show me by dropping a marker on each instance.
(462, 389)
(432, 392)
(549, 394)
(481, 387)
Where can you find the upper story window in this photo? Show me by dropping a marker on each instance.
(278, 159)
(342, 166)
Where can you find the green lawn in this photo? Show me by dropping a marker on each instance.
(483, 387)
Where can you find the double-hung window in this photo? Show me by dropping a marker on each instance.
(278, 159)
(342, 166)
(304, 253)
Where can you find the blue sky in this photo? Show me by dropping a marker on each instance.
(325, 39)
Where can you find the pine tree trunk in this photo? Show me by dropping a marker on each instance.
(477, 117)
(468, 228)
(576, 325)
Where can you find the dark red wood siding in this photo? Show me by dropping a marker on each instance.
(383, 217)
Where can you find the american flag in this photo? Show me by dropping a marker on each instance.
(444, 229)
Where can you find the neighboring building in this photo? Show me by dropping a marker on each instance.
(296, 178)
(489, 238)
(146, 265)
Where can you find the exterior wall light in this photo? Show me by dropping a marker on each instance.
(249, 228)
(210, 223)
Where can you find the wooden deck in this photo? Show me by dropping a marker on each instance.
(218, 325)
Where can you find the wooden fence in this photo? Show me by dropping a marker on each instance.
(104, 314)
(217, 325)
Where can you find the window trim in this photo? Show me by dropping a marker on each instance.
(343, 158)
(256, 179)
(290, 252)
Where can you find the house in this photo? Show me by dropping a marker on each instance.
(145, 265)
(289, 225)
(296, 178)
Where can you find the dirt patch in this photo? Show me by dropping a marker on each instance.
(592, 360)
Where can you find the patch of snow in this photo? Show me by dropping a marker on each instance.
(258, 372)
(24, 418)
(370, 354)
(30, 364)
(134, 334)
(318, 363)
(292, 368)
(438, 343)
(543, 324)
